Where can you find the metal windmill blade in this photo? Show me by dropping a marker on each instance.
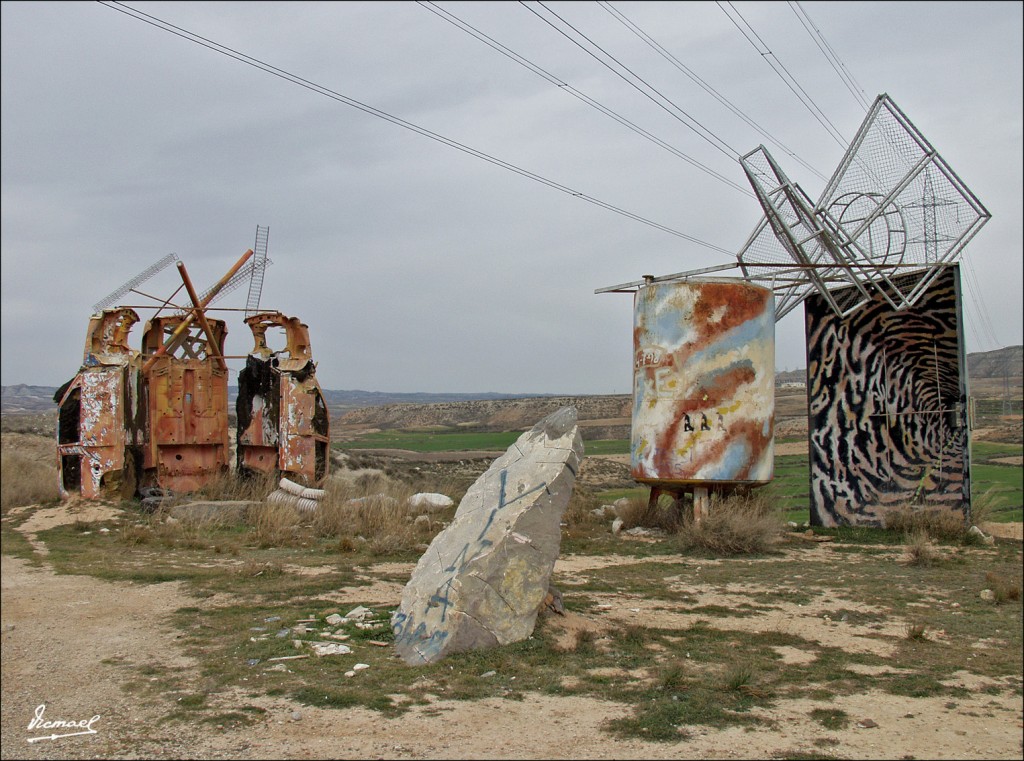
(893, 205)
(259, 266)
(251, 272)
(135, 282)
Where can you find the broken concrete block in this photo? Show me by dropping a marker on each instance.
(330, 648)
(483, 579)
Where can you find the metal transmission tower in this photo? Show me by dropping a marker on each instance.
(259, 266)
(135, 282)
(892, 204)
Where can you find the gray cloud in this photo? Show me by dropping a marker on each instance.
(418, 267)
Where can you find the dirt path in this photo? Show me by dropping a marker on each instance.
(70, 643)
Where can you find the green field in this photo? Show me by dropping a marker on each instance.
(999, 485)
(445, 441)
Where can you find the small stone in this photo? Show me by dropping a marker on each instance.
(361, 666)
(866, 724)
(988, 594)
(487, 674)
(350, 673)
(296, 716)
(334, 619)
(617, 525)
(359, 614)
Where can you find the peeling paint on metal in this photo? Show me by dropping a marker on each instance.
(704, 369)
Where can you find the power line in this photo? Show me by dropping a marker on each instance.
(326, 92)
(621, 18)
(494, 44)
(698, 128)
(984, 320)
(830, 55)
(783, 73)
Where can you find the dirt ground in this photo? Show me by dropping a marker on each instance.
(66, 642)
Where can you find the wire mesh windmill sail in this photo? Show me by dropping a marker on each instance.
(892, 205)
(135, 282)
(251, 272)
(259, 266)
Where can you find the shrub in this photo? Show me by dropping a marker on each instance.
(1002, 588)
(26, 481)
(940, 523)
(741, 524)
(639, 512)
(578, 511)
(916, 631)
(920, 549)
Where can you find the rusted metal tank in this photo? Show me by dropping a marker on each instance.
(99, 425)
(703, 385)
(186, 387)
(283, 422)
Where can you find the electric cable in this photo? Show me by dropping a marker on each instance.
(321, 90)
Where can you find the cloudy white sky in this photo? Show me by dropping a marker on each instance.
(419, 267)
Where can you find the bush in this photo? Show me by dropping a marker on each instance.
(735, 525)
(26, 481)
(939, 523)
(639, 512)
(1003, 589)
(921, 550)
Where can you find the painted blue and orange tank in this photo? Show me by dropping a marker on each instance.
(703, 384)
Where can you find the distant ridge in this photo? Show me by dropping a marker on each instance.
(23, 398)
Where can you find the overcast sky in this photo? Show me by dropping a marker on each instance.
(416, 266)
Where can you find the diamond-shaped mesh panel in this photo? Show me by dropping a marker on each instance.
(893, 204)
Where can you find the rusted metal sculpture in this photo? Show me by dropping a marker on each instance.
(186, 405)
(159, 417)
(283, 423)
(100, 426)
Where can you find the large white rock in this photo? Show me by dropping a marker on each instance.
(430, 502)
(483, 579)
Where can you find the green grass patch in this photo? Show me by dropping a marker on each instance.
(421, 441)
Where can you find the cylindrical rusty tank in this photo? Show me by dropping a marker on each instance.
(703, 384)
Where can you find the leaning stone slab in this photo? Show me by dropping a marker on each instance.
(484, 578)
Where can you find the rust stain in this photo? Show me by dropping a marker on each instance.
(283, 423)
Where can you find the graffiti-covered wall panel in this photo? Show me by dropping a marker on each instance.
(887, 395)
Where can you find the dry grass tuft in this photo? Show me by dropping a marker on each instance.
(252, 487)
(639, 512)
(1002, 588)
(255, 568)
(915, 631)
(275, 525)
(921, 551)
(741, 524)
(26, 481)
(578, 511)
(939, 523)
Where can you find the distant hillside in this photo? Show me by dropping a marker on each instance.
(23, 398)
(599, 416)
(1001, 363)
